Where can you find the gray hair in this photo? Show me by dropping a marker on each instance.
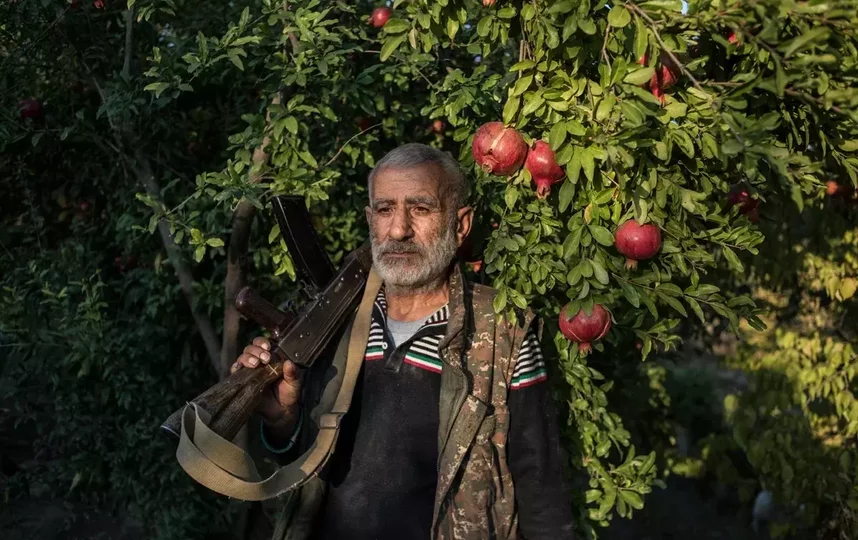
(415, 154)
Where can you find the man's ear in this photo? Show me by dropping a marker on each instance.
(368, 212)
(465, 222)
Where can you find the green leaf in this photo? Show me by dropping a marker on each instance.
(156, 87)
(291, 124)
(396, 26)
(510, 109)
(532, 104)
(234, 57)
(631, 293)
(733, 260)
(564, 6)
(662, 5)
(619, 17)
(214, 242)
(587, 26)
(588, 165)
(575, 128)
(390, 46)
(602, 235)
(631, 498)
(639, 76)
(507, 12)
(599, 272)
(499, 302)
(569, 27)
(521, 85)
(557, 135)
(695, 307)
(641, 38)
(567, 193)
(818, 33)
(672, 302)
(199, 253)
(649, 304)
(510, 195)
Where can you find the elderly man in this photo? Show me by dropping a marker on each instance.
(451, 432)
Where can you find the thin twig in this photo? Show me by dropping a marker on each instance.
(605, 45)
(818, 101)
(340, 151)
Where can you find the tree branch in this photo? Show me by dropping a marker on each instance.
(144, 174)
(236, 265)
(129, 29)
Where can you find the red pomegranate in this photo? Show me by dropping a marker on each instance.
(637, 242)
(542, 165)
(733, 38)
(668, 72)
(498, 150)
(380, 16)
(30, 108)
(656, 89)
(583, 329)
(748, 206)
(98, 4)
(438, 126)
(364, 123)
(644, 59)
(832, 188)
(476, 266)
(489, 3)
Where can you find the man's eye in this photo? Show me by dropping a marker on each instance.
(384, 211)
(420, 210)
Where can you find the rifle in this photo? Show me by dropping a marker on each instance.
(300, 337)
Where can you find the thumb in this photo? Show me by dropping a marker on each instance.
(290, 372)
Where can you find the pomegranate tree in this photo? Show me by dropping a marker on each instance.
(637, 242)
(498, 150)
(380, 16)
(584, 329)
(542, 165)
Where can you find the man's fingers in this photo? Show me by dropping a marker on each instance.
(258, 352)
(263, 343)
(235, 367)
(248, 360)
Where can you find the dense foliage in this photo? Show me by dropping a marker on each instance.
(729, 125)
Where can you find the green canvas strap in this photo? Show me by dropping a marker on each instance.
(225, 468)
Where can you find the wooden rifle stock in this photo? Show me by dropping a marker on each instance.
(300, 339)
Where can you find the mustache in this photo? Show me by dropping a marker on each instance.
(399, 246)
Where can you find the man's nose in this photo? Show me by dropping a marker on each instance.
(400, 228)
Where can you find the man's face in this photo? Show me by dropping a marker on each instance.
(414, 233)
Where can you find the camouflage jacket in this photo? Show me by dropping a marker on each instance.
(474, 498)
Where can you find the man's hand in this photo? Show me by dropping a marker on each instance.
(280, 404)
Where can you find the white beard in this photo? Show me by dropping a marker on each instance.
(420, 273)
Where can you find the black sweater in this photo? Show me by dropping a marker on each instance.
(383, 474)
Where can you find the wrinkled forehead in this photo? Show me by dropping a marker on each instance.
(425, 182)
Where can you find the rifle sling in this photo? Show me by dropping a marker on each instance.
(225, 468)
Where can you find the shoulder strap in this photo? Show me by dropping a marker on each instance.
(225, 468)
